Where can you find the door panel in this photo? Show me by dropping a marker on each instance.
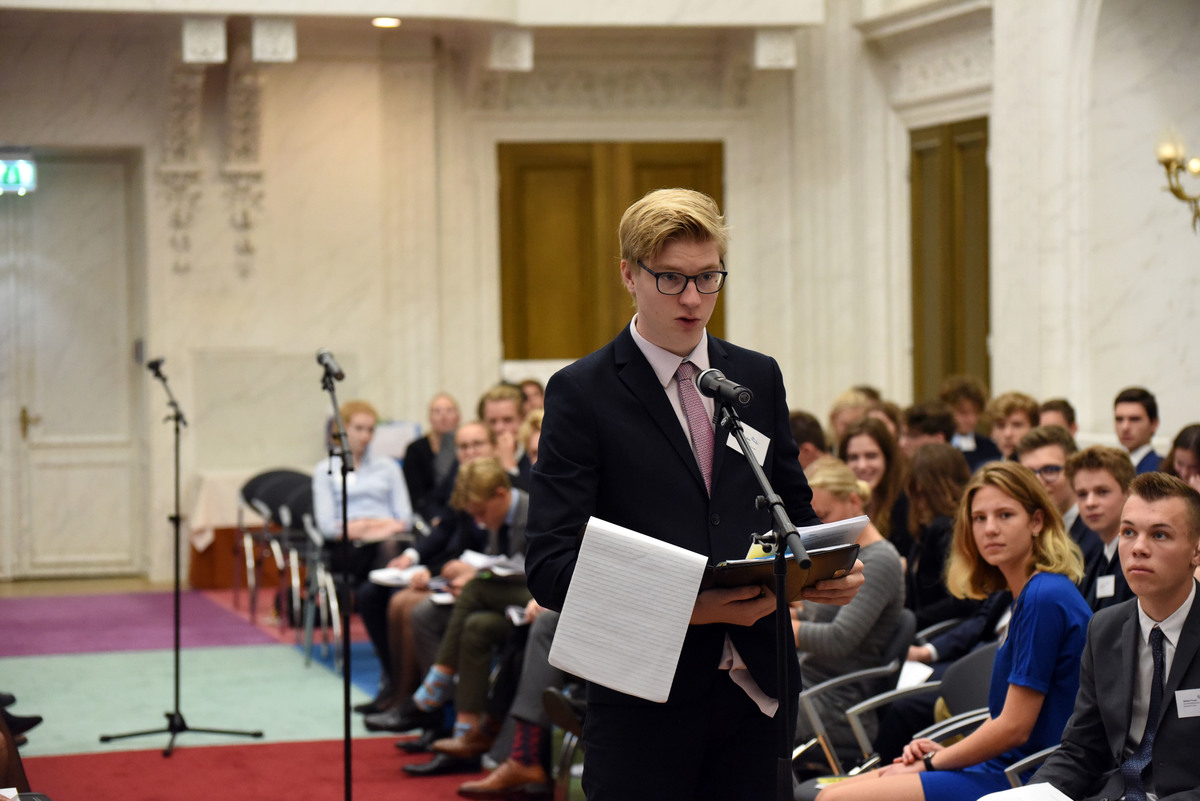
(75, 489)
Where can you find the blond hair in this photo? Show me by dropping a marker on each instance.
(1101, 457)
(666, 215)
(478, 481)
(835, 477)
(968, 575)
(353, 407)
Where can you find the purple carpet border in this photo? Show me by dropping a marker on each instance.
(76, 624)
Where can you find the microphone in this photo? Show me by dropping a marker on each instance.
(326, 360)
(155, 366)
(713, 384)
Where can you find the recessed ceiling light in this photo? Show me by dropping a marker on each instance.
(386, 22)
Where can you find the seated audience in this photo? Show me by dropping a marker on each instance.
(1131, 735)
(937, 476)
(478, 623)
(1135, 418)
(1183, 460)
(840, 639)
(1058, 412)
(1045, 451)
(378, 507)
(1101, 477)
(923, 423)
(430, 459)
(873, 455)
(967, 397)
(386, 611)
(1007, 535)
(1013, 414)
(530, 437)
(809, 436)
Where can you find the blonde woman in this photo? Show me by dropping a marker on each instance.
(1007, 534)
(840, 639)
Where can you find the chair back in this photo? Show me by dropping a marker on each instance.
(965, 684)
(267, 491)
(897, 648)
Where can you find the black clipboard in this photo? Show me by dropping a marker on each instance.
(827, 563)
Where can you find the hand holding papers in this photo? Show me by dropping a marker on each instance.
(830, 546)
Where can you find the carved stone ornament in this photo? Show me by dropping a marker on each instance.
(242, 174)
(179, 172)
(560, 85)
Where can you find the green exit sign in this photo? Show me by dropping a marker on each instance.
(18, 171)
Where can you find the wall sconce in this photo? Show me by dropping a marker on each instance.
(1172, 156)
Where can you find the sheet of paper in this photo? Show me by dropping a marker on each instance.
(1030, 792)
(393, 576)
(823, 535)
(912, 674)
(627, 611)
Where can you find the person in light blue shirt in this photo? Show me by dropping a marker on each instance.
(378, 506)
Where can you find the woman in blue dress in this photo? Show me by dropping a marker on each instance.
(1007, 535)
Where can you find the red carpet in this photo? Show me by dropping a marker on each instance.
(269, 772)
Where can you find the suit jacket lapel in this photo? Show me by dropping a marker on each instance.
(636, 374)
(1130, 634)
(1185, 652)
(718, 359)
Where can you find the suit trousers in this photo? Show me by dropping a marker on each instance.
(537, 673)
(478, 625)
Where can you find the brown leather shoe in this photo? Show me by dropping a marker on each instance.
(510, 780)
(476, 742)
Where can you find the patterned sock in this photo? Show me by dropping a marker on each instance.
(460, 728)
(527, 743)
(434, 691)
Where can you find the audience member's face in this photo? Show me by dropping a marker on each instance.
(830, 508)
(911, 440)
(1187, 465)
(865, 459)
(471, 442)
(673, 322)
(1133, 425)
(502, 416)
(841, 420)
(1003, 531)
(809, 454)
(966, 416)
(443, 415)
(1100, 502)
(490, 512)
(359, 431)
(1158, 556)
(1051, 417)
(534, 399)
(1008, 431)
(1047, 463)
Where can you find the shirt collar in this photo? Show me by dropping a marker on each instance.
(663, 362)
(1070, 516)
(1172, 627)
(964, 442)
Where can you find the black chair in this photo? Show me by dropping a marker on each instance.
(882, 678)
(265, 494)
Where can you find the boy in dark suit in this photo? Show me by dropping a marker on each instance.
(1135, 418)
(628, 438)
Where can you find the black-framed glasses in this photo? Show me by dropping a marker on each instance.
(708, 282)
(1049, 473)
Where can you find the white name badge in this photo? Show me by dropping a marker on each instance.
(1106, 586)
(1187, 703)
(757, 442)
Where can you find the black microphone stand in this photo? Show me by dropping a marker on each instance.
(176, 725)
(783, 537)
(342, 450)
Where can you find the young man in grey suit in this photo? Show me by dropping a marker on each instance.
(627, 438)
(1136, 723)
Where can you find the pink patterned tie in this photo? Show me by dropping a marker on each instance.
(697, 420)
